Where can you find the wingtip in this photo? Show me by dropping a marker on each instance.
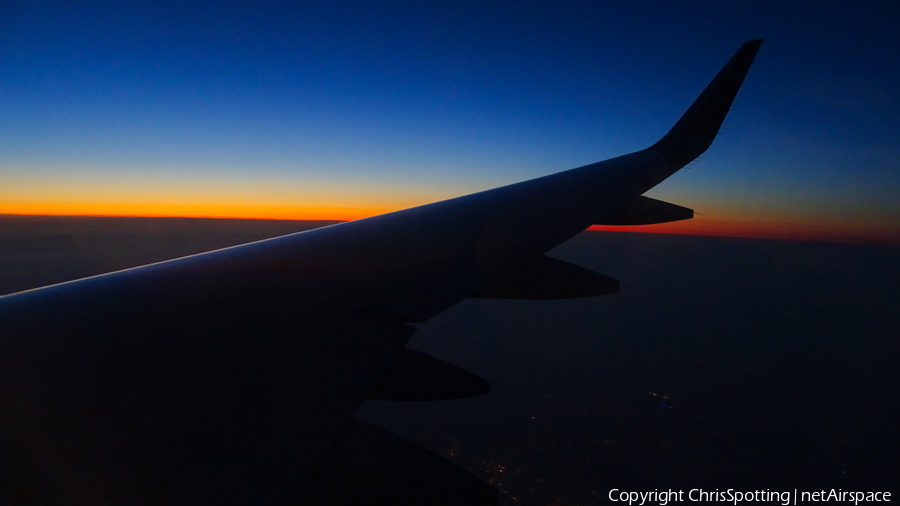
(754, 43)
(750, 48)
(696, 129)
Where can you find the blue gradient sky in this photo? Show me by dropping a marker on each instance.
(342, 109)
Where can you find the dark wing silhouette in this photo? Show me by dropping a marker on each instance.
(231, 377)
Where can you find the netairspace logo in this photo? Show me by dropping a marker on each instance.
(664, 497)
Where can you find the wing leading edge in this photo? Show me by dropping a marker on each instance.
(225, 377)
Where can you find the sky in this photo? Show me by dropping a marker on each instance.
(339, 110)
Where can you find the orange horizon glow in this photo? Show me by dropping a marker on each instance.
(260, 212)
(770, 229)
(699, 226)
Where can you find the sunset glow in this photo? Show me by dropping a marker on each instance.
(862, 233)
(201, 210)
(332, 112)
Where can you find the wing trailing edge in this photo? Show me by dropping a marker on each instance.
(417, 376)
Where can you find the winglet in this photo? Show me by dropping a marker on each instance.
(697, 128)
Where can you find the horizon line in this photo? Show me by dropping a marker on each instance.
(724, 228)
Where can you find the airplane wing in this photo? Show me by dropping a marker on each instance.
(231, 377)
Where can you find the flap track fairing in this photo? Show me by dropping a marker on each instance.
(417, 376)
(548, 278)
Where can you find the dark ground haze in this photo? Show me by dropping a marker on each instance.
(37, 251)
(723, 363)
